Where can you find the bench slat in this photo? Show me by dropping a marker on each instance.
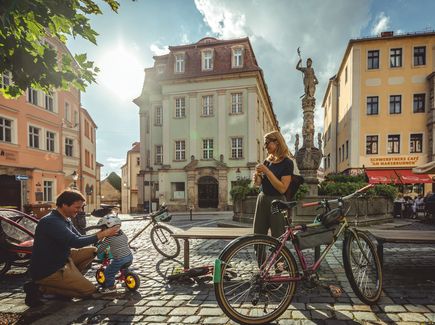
(404, 236)
(212, 233)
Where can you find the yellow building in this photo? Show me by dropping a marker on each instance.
(129, 172)
(378, 108)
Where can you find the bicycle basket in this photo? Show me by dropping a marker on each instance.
(313, 237)
(164, 217)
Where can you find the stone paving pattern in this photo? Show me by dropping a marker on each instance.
(408, 297)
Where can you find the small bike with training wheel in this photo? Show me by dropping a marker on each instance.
(130, 278)
(161, 235)
(267, 272)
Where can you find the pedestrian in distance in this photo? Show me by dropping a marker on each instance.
(60, 253)
(273, 177)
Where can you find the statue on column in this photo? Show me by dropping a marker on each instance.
(310, 79)
(297, 143)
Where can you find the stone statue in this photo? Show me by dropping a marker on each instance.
(319, 140)
(297, 143)
(310, 80)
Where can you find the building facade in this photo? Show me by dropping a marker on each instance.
(129, 172)
(378, 106)
(204, 110)
(41, 144)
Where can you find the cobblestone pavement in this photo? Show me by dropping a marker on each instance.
(408, 298)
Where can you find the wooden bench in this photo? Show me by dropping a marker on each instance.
(400, 236)
(208, 233)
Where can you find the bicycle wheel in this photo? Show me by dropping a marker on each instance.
(245, 291)
(362, 267)
(163, 242)
(99, 276)
(132, 281)
(5, 265)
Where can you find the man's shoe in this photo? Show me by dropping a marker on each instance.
(33, 295)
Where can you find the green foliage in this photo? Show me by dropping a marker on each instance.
(23, 26)
(341, 178)
(339, 189)
(301, 193)
(114, 180)
(242, 189)
(388, 191)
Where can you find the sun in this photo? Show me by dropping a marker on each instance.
(121, 71)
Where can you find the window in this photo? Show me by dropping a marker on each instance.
(32, 96)
(177, 189)
(87, 128)
(395, 58)
(373, 59)
(347, 149)
(76, 118)
(137, 161)
(345, 75)
(48, 191)
(371, 144)
(419, 55)
(339, 154)
(180, 107)
(329, 160)
(67, 112)
(49, 102)
(393, 143)
(207, 105)
(237, 58)
(237, 148)
(158, 115)
(180, 150)
(158, 159)
(372, 105)
(236, 103)
(69, 147)
(416, 143)
(419, 101)
(50, 141)
(5, 130)
(207, 149)
(395, 104)
(34, 137)
(179, 63)
(207, 60)
(5, 79)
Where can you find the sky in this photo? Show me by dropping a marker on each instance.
(129, 39)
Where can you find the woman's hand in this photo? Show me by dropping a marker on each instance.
(256, 178)
(261, 169)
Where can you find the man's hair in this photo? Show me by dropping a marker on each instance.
(68, 197)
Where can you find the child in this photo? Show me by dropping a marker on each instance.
(118, 248)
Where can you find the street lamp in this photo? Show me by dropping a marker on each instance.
(238, 172)
(75, 177)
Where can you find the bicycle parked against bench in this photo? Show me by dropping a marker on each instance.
(267, 272)
(161, 235)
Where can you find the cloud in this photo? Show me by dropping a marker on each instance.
(115, 163)
(276, 29)
(382, 23)
(159, 50)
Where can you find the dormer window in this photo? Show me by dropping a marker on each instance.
(237, 59)
(179, 63)
(207, 60)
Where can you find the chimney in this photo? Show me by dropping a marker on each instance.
(387, 34)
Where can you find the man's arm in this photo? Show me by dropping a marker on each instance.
(298, 66)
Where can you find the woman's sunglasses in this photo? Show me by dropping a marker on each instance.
(266, 143)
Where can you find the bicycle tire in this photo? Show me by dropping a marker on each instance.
(5, 266)
(163, 242)
(100, 277)
(363, 271)
(263, 301)
(132, 281)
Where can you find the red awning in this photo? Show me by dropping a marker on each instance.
(408, 177)
(382, 176)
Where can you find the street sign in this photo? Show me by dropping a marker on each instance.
(21, 177)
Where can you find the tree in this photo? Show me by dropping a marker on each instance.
(24, 24)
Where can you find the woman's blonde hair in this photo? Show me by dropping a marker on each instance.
(282, 150)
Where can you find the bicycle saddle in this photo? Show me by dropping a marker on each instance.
(278, 205)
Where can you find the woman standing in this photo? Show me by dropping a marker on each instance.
(273, 177)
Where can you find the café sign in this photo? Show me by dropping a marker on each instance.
(394, 161)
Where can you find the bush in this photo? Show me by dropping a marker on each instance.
(242, 189)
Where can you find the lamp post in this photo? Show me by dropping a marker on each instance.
(75, 177)
(238, 172)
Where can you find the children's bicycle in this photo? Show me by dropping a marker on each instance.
(161, 236)
(267, 271)
(130, 278)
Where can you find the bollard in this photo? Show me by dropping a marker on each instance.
(190, 212)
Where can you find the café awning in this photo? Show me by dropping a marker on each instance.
(382, 176)
(428, 168)
(408, 177)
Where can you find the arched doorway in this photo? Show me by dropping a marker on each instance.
(208, 192)
(10, 191)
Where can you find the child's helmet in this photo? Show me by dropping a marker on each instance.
(109, 221)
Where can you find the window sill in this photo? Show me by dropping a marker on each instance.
(241, 113)
(179, 117)
(232, 158)
(212, 115)
(181, 160)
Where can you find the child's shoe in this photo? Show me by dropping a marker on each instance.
(108, 289)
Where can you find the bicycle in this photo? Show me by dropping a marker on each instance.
(161, 236)
(267, 272)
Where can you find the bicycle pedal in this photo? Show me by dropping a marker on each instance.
(335, 291)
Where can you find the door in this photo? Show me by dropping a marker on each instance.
(208, 192)
(10, 192)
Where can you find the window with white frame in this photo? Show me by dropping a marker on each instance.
(179, 63)
(158, 155)
(416, 143)
(237, 57)
(419, 55)
(395, 58)
(180, 150)
(207, 105)
(32, 96)
(236, 148)
(49, 102)
(34, 134)
(48, 191)
(5, 129)
(207, 148)
(5, 79)
(158, 115)
(180, 107)
(207, 60)
(371, 144)
(50, 141)
(178, 190)
(393, 143)
(236, 103)
(69, 147)
(67, 112)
